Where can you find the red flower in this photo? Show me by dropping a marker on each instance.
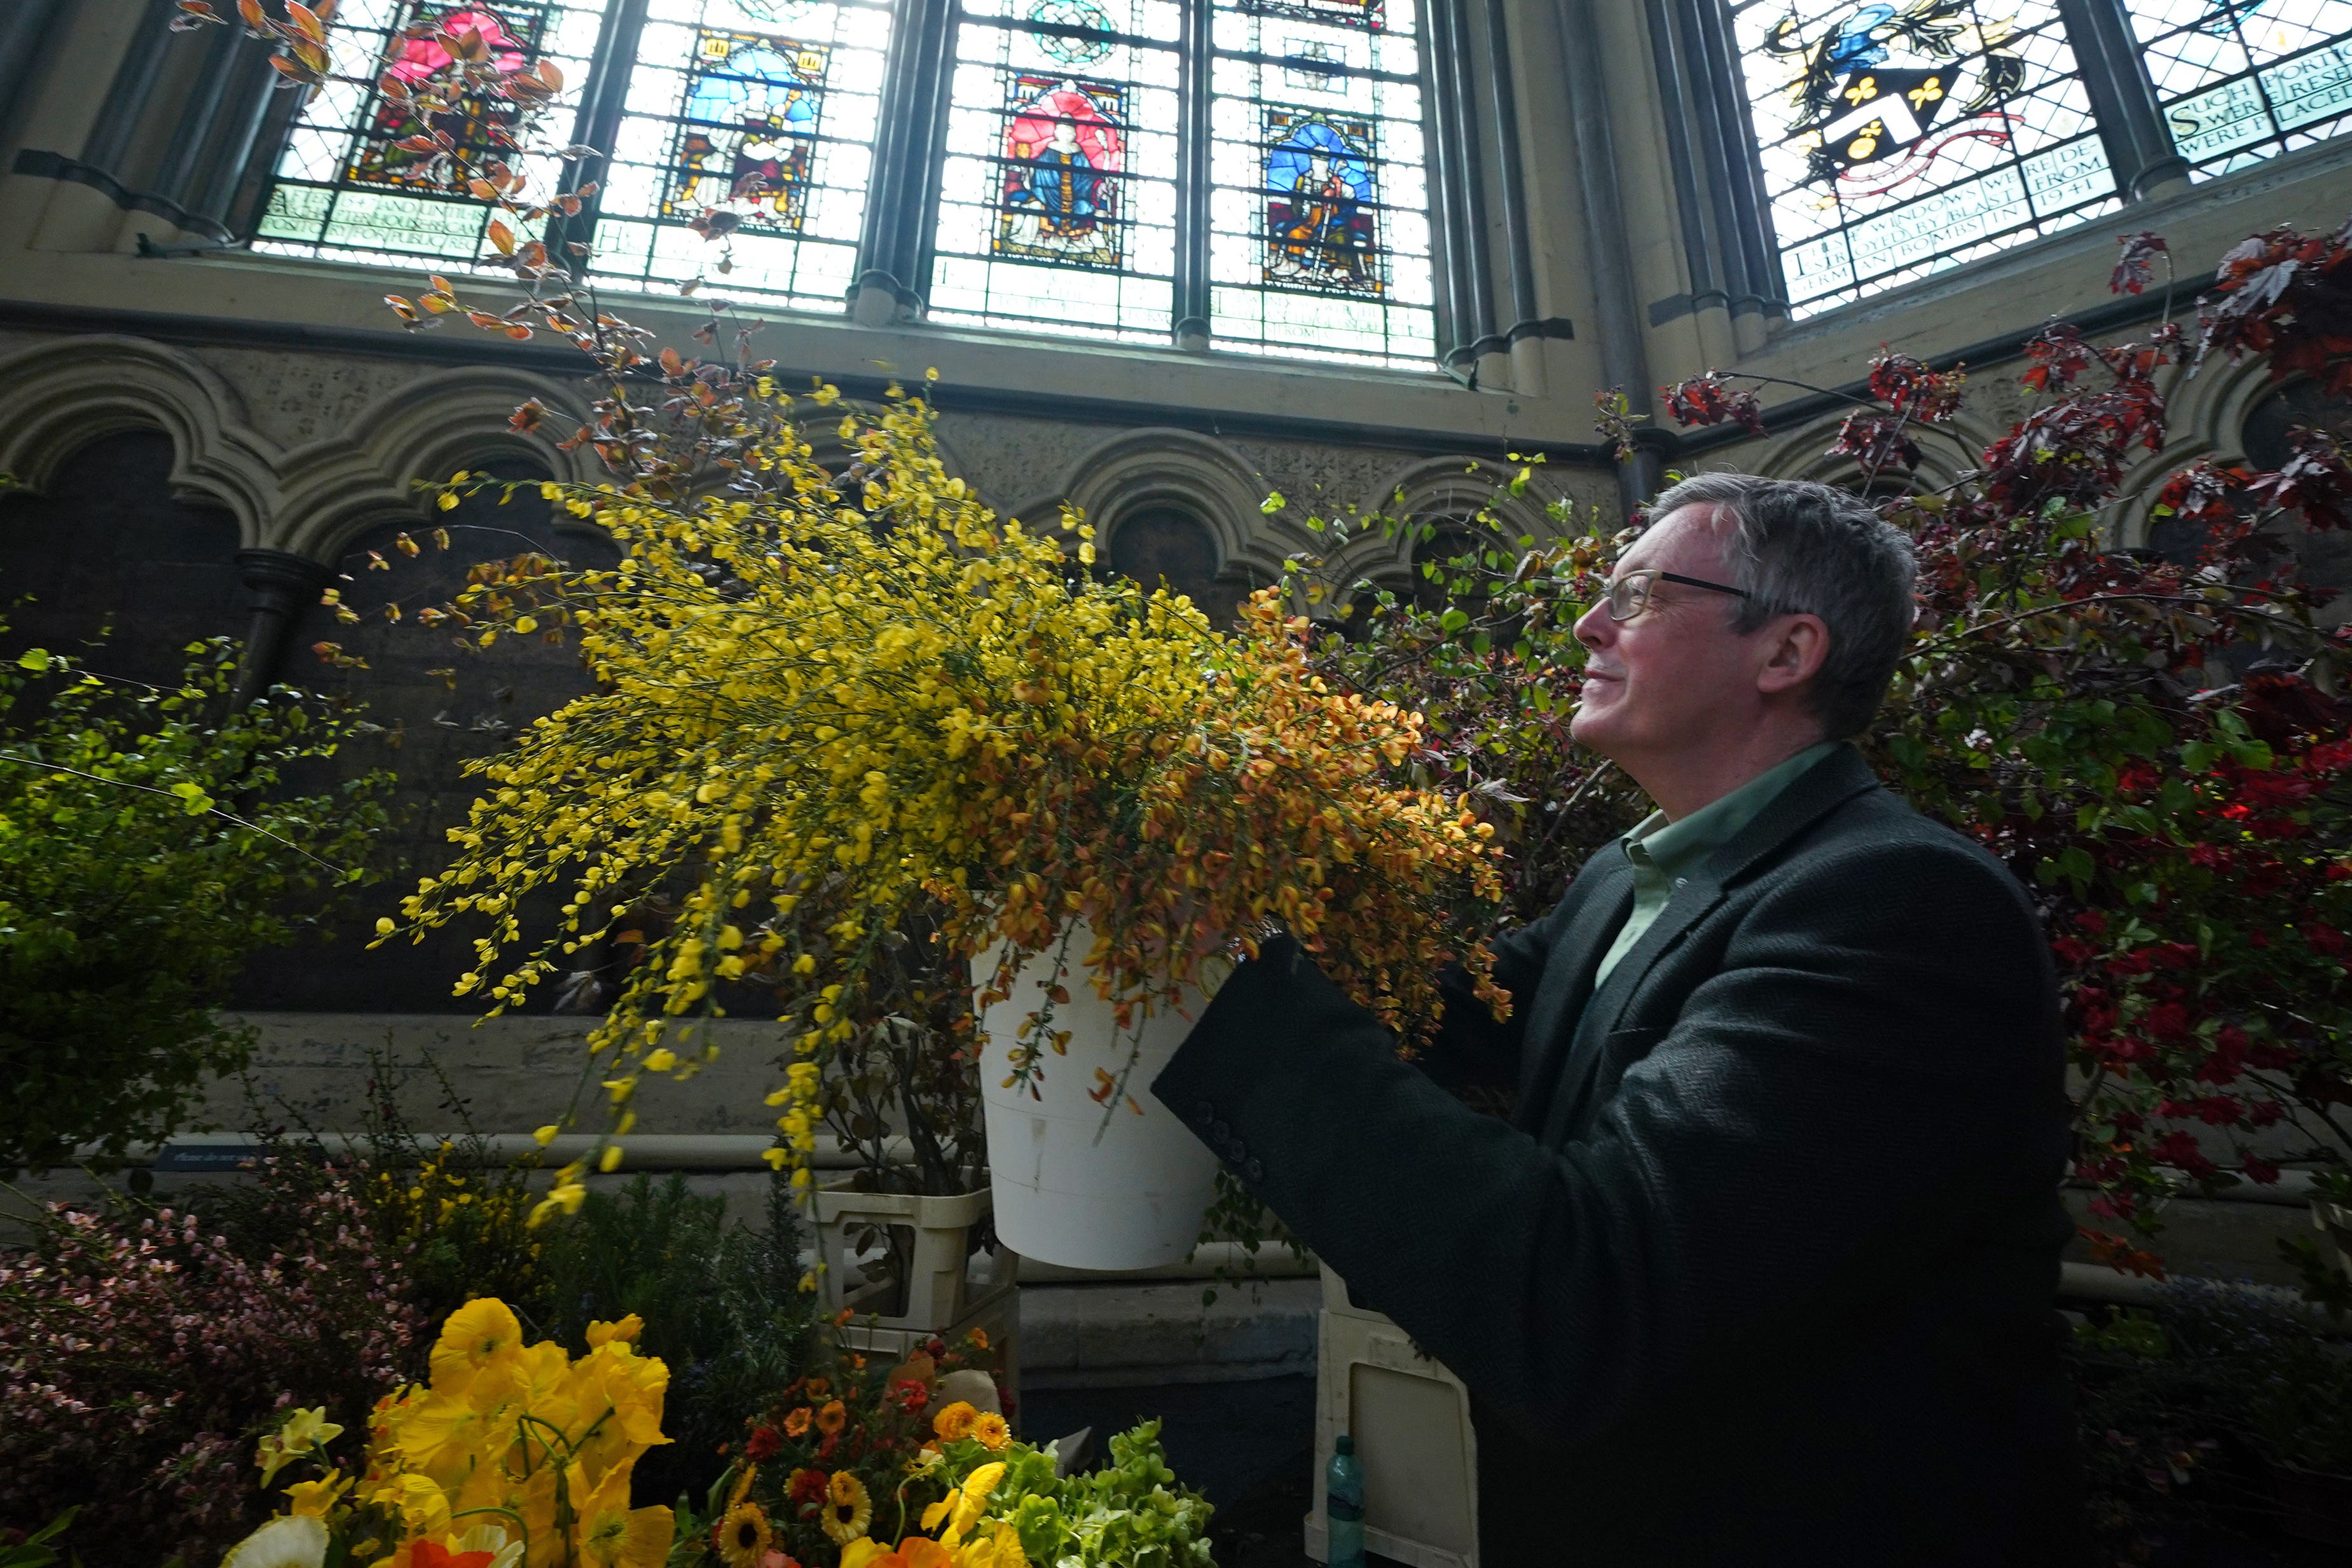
(423, 1554)
(2181, 1149)
(806, 1488)
(2260, 1170)
(762, 1445)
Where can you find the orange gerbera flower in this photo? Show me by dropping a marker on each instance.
(988, 1428)
(797, 1421)
(830, 1419)
(980, 1339)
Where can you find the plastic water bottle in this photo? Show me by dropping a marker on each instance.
(1343, 1510)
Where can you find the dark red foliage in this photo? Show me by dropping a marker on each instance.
(2074, 450)
(1709, 399)
(1912, 390)
(1877, 442)
(2317, 481)
(2135, 267)
(2288, 296)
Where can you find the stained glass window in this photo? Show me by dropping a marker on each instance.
(1057, 193)
(344, 185)
(763, 110)
(1319, 239)
(2240, 80)
(1899, 140)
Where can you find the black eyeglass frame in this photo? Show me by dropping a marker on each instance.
(1653, 575)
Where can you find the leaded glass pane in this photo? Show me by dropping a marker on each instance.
(2240, 80)
(1898, 139)
(1319, 234)
(1058, 193)
(761, 112)
(346, 188)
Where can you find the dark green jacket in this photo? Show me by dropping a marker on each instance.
(1763, 1270)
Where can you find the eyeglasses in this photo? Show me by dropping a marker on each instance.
(1629, 595)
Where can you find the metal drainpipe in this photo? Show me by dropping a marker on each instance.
(1191, 331)
(1526, 347)
(183, 167)
(1698, 253)
(2123, 98)
(282, 585)
(24, 30)
(255, 96)
(1477, 285)
(127, 95)
(1624, 362)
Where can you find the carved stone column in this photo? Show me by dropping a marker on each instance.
(282, 584)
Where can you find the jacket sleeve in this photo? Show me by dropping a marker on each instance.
(1471, 1046)
(1877, 1054)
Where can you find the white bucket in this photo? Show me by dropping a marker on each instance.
(1072, 1185)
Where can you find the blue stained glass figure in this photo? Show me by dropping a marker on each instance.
(1319, 190)
(747, 130)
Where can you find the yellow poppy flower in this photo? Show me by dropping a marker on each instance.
(312, 1500)
(626, 1330)
(848, 1510)
(963, 1507)
(742, 1537)
(479, 1334)
(614, 1535)
(995, 1544)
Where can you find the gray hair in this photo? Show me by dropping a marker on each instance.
(1802, 548)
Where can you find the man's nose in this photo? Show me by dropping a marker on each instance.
(1594, 628)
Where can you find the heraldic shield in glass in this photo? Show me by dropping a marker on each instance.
(1901, 139)
(1064, 144)
(747, 131)
(345, 186)
(1320, 203)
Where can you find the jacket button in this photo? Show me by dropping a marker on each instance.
(1237, 1151)
(1254, 1170)
(1204, 1114)
(1219, 1132)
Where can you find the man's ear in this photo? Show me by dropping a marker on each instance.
(1795, 648)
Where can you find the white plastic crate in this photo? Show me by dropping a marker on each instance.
(927, 1278)
(906, 1268)
(1411, 1421)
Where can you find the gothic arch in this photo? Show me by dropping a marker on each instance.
(1154, 467)
(1947, 451)
(59, 395)
(2207, 419)
(337, 487)
(1455, 488)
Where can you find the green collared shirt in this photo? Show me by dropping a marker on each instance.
(1664, 853)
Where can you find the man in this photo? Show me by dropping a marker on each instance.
(1762, 1271)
